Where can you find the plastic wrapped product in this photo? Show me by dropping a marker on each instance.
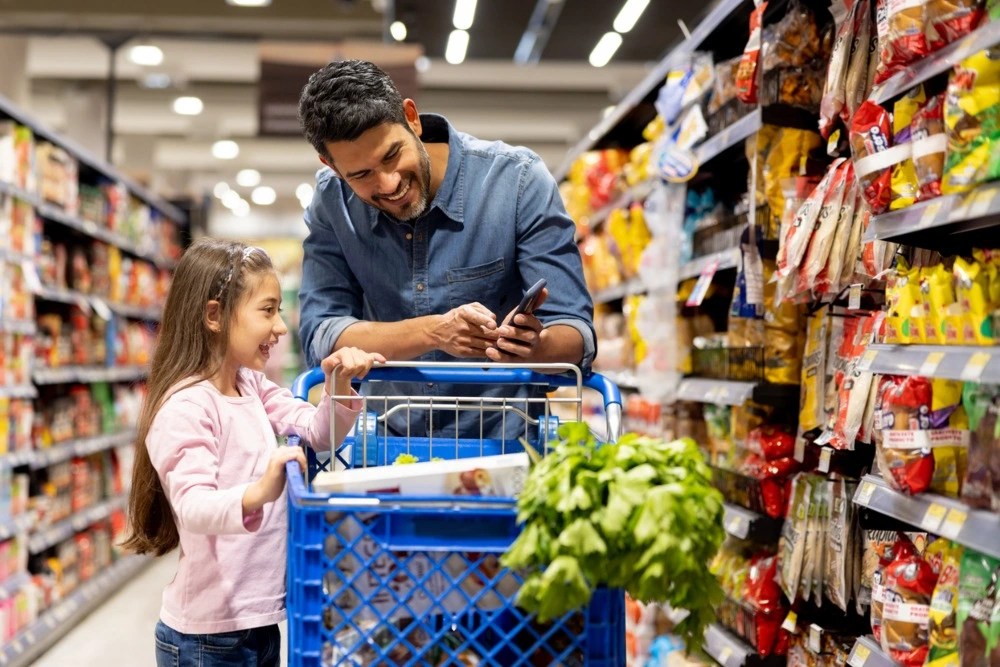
(811, 414)
(864, 51)
(902, 444)
(835, 579)
(949, 20)
(929, 144)
(909, 584)
(847, 236)
(904, 176)
(904, 39)
(887, 554)
(951, 446)
(871, 146)
(747, 72)
(972, 294)
(724, 89)
(823, 236)
(982, 404)
(834, 93)
(942, 625)
(977, 594)
(972, 122)
(792, 545)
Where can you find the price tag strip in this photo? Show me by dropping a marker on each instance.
(975, 366)
(704, 282)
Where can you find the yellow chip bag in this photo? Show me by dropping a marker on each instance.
(905, 185)
(972, 122)
(950, 460)
(903, 295)
(971, 290)
(942, 323)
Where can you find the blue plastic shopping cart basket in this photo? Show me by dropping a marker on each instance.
(403, 580)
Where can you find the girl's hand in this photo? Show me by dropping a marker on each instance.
(268, 488)
(345, 364)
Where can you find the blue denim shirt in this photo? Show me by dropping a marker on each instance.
(496, 225)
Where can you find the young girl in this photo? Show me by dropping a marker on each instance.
(209, 475)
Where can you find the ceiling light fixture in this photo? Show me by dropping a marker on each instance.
(304, 192)
(422, 64)
(146, 55)
(398, 30)
(188, 105)
(458, 42)
(263, 195)
(242, 209)
(248, 3)
(605, 49)
(220, 189)
(231, 199)
(465, 14)
(248, 178)
(629, 15)
(225, 149)
(156, 80)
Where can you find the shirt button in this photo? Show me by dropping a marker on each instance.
(420, 287)
(409, 237)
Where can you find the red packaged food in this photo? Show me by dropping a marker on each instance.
(929, 143)
(762, 593)
(771, 442)
(949, 20)
(871, 139)
(774, 484)
(746, 72)
(901, 36)
(909, 584)
(903, 433)
(901, 548)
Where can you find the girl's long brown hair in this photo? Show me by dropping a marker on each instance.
(187, 351)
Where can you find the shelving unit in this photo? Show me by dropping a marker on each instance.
(746, 524)
(69, 229)
(730, 136)
(976, 529)
(867, 653)
(628, 288)
(968, 363)
(729, 651)
(922, 224)
(724, 260)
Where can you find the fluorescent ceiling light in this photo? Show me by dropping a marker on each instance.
(156, 80)
(231, 199)
(465, 13)
(605, 49)
(304, 192)
(220, 189)
(146, 55)
(458, 42)
(188, 106)
(242, 209)
(422, 64)
(263, 196)
(248, 178)
(629, 15)
(225, 149)
(398, 30)
(248, 3)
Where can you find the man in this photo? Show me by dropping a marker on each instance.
(422, 239)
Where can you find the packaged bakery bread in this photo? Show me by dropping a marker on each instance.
(902, 443)
(972, 106)
(864, 53)
(929, 143)
(871, 141)
(823, 236)
(909, 584)
(904, 176)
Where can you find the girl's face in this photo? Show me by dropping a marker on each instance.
(257, 325)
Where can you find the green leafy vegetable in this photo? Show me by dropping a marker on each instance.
(640, 514)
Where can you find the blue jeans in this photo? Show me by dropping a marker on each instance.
(256, 647)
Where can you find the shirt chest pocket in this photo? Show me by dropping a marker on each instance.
(482, 283)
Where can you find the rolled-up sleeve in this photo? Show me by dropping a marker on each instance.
(330, 296)
(546, 248)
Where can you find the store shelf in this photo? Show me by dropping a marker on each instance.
(85, 374)
(53, 213)
(54, 623)
(976, 529)
(745, 524)
(868, 653)
(718, 392)
(42, 458)
(9, 109)
(87, 301)
(627, 288)
(11, 190)
(18, 391)
(23, 327)
(925, 223)
(729, 651)
(941, 61)
(67, 528)
(713, 17)
(9, 527)
(728, 259)
(968, 363)
(729, 137)
(10, 586)
(14, 257)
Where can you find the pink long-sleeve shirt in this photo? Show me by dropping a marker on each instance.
(207, 448)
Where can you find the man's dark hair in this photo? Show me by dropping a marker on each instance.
(345, 99)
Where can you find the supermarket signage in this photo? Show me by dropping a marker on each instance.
(285, 67)
(704, 282)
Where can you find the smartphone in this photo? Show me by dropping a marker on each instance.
(530, 299)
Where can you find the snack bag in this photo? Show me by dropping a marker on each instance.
(822, 238)
(792, 544)
(977, 594)
(972, 294)
(972, 106)
(903, 40)
(948, 20)
(870, 136)
(929, 144)
(909, 584)
(942, 632)
(746, 73)
(796, 239)
(951, 446)
(845, 245)
(854, 391)
(901, 443)
(887, 553)
(812, 398)
(982, 404)
(902, 295)
(941, 319)
(904, 176)
(834, 93)
(864, 57)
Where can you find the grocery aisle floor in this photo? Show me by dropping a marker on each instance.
(119, 633)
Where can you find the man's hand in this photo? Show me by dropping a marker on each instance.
(518, 336)
(465, 332)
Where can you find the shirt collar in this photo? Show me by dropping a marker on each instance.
(449, 197)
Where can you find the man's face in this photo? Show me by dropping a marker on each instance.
(388, 168)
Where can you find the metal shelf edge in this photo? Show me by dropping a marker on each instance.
(965, 362)
(718, 392)
(866, 652)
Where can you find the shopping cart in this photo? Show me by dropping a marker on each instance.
(404, 580)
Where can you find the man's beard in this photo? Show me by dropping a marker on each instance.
(419, 206)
